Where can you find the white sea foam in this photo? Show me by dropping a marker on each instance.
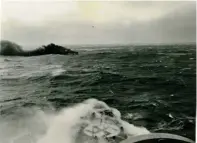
(57, 72)
(37, 126)
(54, 70)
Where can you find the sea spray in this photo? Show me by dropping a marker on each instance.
(25, 125)
(66, 126)
(61, 127)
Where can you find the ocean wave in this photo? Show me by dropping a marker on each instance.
(151, 87)
(32, 74)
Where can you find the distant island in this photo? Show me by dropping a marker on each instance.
(9, 48)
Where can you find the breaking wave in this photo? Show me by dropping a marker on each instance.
(44, 126)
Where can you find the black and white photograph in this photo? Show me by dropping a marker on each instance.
(74, 71)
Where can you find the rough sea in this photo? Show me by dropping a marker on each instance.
(151, 86)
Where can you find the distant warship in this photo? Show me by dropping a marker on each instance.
(11, 49)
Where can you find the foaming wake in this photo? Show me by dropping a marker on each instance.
(63, 127)
(53, 70)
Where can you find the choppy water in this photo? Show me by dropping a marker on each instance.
(151, 86)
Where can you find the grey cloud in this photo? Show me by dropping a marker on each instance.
(178, 26)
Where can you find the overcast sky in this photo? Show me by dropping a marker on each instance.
(61, 22)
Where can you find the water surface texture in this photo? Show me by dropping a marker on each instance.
(151, 86)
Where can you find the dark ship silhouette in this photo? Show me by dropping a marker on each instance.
(11, 49)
